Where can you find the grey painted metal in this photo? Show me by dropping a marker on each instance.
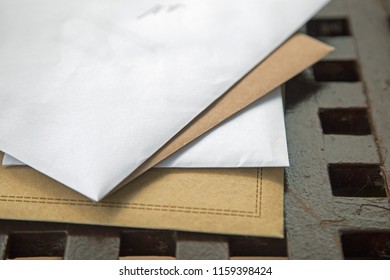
(345, 48)
(201, 247)
(335, 9)
(386, 5)
(350, 149)
(92, 248)
(307, 187)
(3, 245)
(341, 95)
(371, 30)
(315, 218)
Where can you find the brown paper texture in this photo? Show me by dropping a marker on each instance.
(229, 201)
(295, 55)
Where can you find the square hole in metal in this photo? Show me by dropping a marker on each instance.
(336, 71)
(370, 245)
(36, 244)
(345, 121)
(357, 180)
(328, 27)
(147, 243)
(248, 246)
(388, 21)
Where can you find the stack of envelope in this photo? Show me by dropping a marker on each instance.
(93, 94)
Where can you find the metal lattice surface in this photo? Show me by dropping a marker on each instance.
(337, 196)
(338, 126)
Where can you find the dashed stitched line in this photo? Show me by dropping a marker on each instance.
(261, 192)
(86, 202)
(123, 205)
(143, 206)
(189, 211)
(257, 190)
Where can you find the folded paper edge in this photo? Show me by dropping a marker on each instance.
(313, 50)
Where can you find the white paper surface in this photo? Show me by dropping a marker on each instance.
(98, 86)
(10, 161)
(254, 137)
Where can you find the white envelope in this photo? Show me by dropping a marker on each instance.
(255, 137)
(90, 89)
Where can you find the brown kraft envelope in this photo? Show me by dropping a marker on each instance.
(247, 201)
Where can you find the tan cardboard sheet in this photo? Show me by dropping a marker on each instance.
(295, 55)
(230, 201)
